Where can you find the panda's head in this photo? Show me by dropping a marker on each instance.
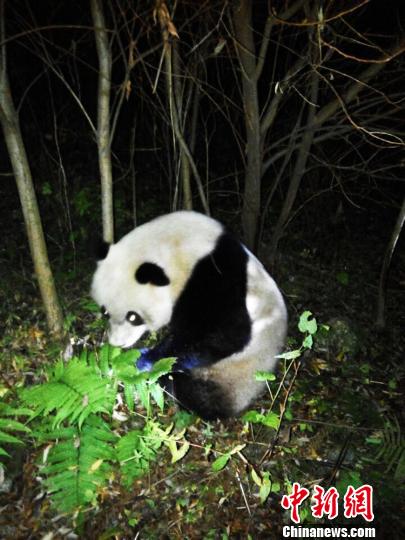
(139, 279)
(134, 293)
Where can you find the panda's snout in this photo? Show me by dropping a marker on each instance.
(125, 335)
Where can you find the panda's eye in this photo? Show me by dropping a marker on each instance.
(134, 318)
(104, 313)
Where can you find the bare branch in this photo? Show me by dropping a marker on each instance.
(306, 23)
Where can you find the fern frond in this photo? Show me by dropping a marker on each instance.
(123, 365)
(74, 392)
(136, 449)
(143, 384)
(80, 464)
(7, 424)
(392, 448)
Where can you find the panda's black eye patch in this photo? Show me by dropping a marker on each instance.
(134, 318)
(151, 273)
(104, 313)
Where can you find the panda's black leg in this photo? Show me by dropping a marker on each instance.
(206, 398)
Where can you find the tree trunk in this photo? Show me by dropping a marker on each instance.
(19, 162)
(103, 119)
(242, 18)
(386, 265)
(299, 168)
(178, 97)
(174, 115)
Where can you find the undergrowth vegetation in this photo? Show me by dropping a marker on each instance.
(74, 417)
(96, 430)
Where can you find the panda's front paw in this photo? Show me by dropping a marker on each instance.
(144, 362)
(186, 363)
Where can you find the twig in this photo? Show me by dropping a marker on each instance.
(270, 450)
(243, 493)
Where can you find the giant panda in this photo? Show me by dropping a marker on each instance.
(224, 314)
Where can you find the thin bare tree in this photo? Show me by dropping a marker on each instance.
(19, 161)
(386, 265)
(242, 18)
(174, 92)
(103, 118)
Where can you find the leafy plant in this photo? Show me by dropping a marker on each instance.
(138, 448)
(222, 460)
(308, 326)
(73, 412)
(266, 485)
(270, 419)
(83, 201)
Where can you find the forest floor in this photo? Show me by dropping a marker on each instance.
(344, 423)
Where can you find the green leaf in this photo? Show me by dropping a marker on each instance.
(143, 393)
(348, 478)
(46, 188)
(288, 414)
(13, 425)
(290, 355)
(256, 478)
(220, 462)
(271, 420)
(157, 393)
(90, 305)
(178, 452)
(104, 359)
(373, 440)
(275, 487)
(265, 488)
(308, 342)
(8, 424)
(253, 416)
(265, 376)
(183, 419)
(8, 410)
(306, 324)
(161, 367)
(343, 278)
(264, 484)
(124, 365)
(6, 438)
(129, 391)
(392, 384)
(365, 369)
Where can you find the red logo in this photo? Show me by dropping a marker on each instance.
(326, 502)
(294, 500)
(359, 502)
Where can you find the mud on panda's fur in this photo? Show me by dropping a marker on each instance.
(226, 317)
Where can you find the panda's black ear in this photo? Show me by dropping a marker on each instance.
(100, 249)
(151, 273)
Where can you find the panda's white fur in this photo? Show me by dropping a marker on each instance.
(235, 336)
